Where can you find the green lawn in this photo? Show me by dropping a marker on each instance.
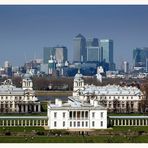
(75, 139)
(130, 128)
(21, 129)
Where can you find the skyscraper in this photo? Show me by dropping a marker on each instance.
(80, 51)
(92, 54)
(139, 57)
(47, 52)
(60, 54)
(92, 42)
(106, 52)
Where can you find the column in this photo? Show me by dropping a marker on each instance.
(135, 121)
(3, 123)
(121, 122)
(25, 122)
(114, 122)
(10, 122)
(14, 122)
(21, 122)
(80, 115)
(139, 122)
(118, 122)
(34, 108)
(129, 123)
(36, 122)
(22, 108)
(39, 108)
(18, 122)
(44, 123)
(29, 122)
(40, 122)
(132, 122)
(145, 121)
(26, 108)
(111, 122)
(125, 122)
(6, 122)
(32, 122)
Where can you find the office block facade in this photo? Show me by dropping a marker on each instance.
(80, 51)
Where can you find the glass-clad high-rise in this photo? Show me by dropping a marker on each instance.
(139, 57)
(80, 51)
(106, 52)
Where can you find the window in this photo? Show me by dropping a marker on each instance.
(55, 114)
(55, 123)
(93, 114)
(93, 123)
(86, 124)
(64, 115)
(70, 124)
(101, 123)
(70, 114)
(63, 123)
(86, 114)
(78, 124)
(82, 123)
(101, 114)
(74, 124)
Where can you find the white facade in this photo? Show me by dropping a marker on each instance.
(18, 100)
(113, 97)
(76, 115)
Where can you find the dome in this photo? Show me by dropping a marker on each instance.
(78, 75)
(27, 76)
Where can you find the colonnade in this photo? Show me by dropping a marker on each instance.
(23, 122)
(78, 115)
(128, 122)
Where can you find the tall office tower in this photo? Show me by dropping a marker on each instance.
(106, 52)
(60, 54)
(80, 51)
(47, 52)
(92, 54)
(126, 67)
(92, 42)
(139, 58)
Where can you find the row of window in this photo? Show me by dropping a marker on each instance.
(117, 97)
(83, 114)
(78, 124)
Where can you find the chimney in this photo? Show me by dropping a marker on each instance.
(58, 102)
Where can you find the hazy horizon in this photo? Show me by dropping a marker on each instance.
(26, 29)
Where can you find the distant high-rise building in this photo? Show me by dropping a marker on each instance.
(92, 54)
(47, 52)
(60, 54)
(106, 52)
(92, 42)
(80, 51)
(139, 57)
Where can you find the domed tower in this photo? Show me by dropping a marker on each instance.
(27, 82)
(78, 83)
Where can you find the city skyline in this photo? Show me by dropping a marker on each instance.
(26, 30)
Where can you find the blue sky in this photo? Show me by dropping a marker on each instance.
(25, 30)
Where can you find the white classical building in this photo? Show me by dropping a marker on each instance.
(75, 115)
(113, 97)
(18, 100)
